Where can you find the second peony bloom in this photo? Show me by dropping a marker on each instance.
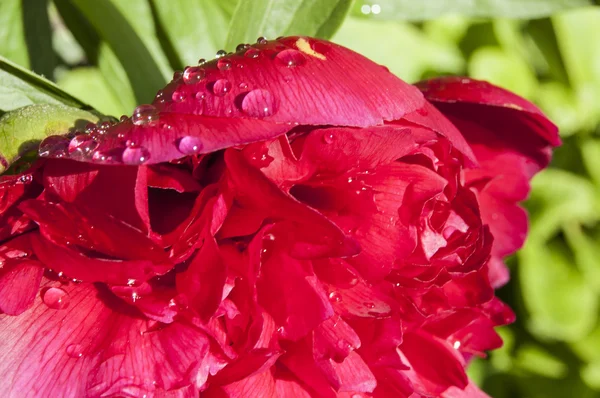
(290, 220)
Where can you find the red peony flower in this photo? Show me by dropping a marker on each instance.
(291, 220)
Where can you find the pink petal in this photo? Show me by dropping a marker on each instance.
(352, 374)
(334, 339)
(95, 346)
(19, 284)
(471, 391)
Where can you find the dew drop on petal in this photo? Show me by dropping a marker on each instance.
(135, 155)
(290, 58)
(201, 61)
(258, 103)
(335, 296)
(221, 53)
(74, 350)
(53, 145)
(26, 179)
(177, 96)
(193, 74)
(177, 74)
(224, 64)
(82, 145)
(221, 87)
(243, 86)
(370, 305)
(189, 145)
(55, 298)
(252, 53)
(200, 95)
(123, 118)
(241, 47)
(328, 138)
(456, 345)
(144, 114)
(261, 40)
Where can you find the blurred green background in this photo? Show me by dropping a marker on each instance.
(114, 54)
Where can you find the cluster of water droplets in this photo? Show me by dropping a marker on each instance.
(256, 102)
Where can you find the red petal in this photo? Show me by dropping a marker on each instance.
(329, 85)
(471, 391)
(88, 185)
(94, 347)
(352, 374)
(19, 284)
(456, 90)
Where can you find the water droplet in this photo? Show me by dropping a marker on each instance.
(82, 145)
(224, 64)
(243, 86)
(252, 53)
(144, 114)
(131, 282)
(201, 61)
(281, 330)
(221, 87)
(189, 145)
(53, 145)
(200, 95)
(221, 53)
(178, 96)
(290, 58)
(261, 40)
(74, 350)
(193, 74)
(123, 118)
(56, 298)
(370, 305)
(135, 297)
(241, 47)
(26, 179)
(270, 237)
(456, 345)
(135, 155)
(258, 103)
(335, 296)
(177, 74)
(90, 128)
(328, 138)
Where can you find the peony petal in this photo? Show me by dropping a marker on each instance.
(352, 374)
(95, 346)
(87, 184)
(19, 284)
(470, 391)
(326, 85)
(457, 90)
(334, 339)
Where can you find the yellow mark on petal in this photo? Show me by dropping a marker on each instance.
(305, 47)
(513, 106)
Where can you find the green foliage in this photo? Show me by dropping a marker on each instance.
(115, 54)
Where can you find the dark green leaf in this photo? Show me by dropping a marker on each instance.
(271, 18)
(428, 9)
(141, 67)
(20, 87)
(193, 28)
(12, 35)
(82, 30)
(21, 130)
(38, 37)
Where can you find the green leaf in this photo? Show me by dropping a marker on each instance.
(591, 158)
(504, 69)
(271, 18)
(82, 30)
(12, 34)
(89, 84)
(194, 29)
(20, 87)
(38, 37)
(116, 80)
(536, 360)
(409, 55)
(428, 9)
(561, 304)
(141, 67)
(21, 130)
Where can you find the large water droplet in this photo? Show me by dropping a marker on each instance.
(53, 145)
(224, 64)
(74, 350)
(193, 74)
(56, 298)
(135, 155)
(252, 53)
(221, 53)
(189, 145)
(144, 114)
(221, 87)
(258, 103)
(82, 145)
(290, 58)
